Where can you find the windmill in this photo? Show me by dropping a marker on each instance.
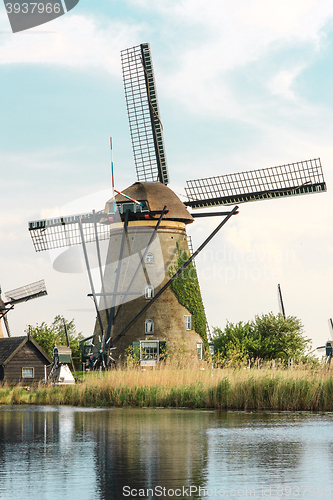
(329, 344)
(60, 373)
(146, 227)
(18, 295)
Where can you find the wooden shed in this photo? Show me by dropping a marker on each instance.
(22, 360)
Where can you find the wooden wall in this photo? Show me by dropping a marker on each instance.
(28, 357)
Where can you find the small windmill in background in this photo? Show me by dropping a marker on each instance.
(328, 346)
(16, 296)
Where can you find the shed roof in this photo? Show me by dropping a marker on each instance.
(10, 345)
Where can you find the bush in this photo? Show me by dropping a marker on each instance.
(267, 337)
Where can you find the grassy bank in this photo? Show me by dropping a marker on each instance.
(220, 389)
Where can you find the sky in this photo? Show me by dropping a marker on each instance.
(241, 85)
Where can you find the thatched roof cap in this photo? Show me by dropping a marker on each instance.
(157, 195)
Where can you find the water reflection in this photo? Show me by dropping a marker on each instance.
(149, 448)
(53, 452)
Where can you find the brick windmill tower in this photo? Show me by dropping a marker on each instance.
(141, 253)
(150, 298)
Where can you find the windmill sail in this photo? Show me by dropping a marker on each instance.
(25, 293)
(330, 327)
(281, 305)
(286, 180)
(143, 114)
(5, 320)
(48, 234)
(22, 294)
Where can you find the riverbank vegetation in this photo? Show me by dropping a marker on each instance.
(237, 389)
(258, 365)
(267, 337)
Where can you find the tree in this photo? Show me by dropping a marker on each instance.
(48, 336)
(267, 337)
(233, 344)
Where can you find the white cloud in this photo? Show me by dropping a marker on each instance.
(224, 37)
(207, 41)
(281, 84)
(257, 23)
(76, 41)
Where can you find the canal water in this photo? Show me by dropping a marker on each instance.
(72, 453)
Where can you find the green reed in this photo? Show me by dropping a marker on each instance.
(238, 389)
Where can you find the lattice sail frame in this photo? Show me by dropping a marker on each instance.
(49, 234)
(65, 231)
(27, 292)
(143, 114)
(303, 177)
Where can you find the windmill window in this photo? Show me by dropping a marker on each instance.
(149, 350)
(188, 322)
(200, 350)
(149, 258)
(149, 292)
(211, 348)
(149, 326)
(27, 373)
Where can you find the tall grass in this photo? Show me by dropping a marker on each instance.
(189, 388)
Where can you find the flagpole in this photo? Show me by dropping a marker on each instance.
(129, 198)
